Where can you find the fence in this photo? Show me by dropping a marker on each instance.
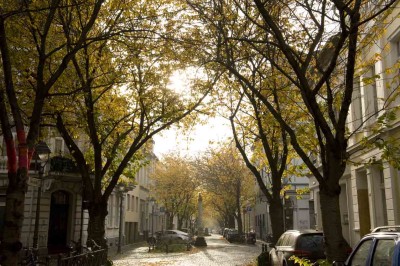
(92, 258)
(87, 258)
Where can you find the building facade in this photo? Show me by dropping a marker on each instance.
(141, 215)
(370, 187)
(53, 214)
(296, 207)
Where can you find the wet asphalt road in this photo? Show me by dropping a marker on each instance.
(218, 252)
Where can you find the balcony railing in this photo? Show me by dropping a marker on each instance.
(57, 164)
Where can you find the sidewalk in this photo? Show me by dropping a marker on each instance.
(112, 251)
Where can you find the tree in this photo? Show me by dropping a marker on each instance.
(263, 144)
(223, 174)
(34, 56)
(316, 44)
(176, 188)
(128, 73)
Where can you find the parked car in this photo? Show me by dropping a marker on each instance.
(225, 231)
(388, 228)
(251, 237)
(173, 236)
(307, 244)
(381, 247)
(234, 236)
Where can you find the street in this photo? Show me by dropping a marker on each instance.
(218, 252)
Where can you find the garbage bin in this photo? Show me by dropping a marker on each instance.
(263, 259)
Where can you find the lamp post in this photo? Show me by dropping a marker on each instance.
(152, 201)
(244, 220)
(43, 152)
(121, 190)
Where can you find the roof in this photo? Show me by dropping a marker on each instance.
(304, 231)
(388, 228)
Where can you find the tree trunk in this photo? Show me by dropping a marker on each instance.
(170, 221)
(230, 221)
(239, 222)
(277, 219)
(14, 215)
(180, 222)
(96, 227)
(336, 247)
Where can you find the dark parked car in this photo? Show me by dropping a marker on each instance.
(381, 247)
(232, 235)
(307, 244)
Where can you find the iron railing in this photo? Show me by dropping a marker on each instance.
(86, 258)
(90, 258)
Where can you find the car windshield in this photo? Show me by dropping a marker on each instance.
(310, 242)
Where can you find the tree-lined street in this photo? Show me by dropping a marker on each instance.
(309, 88)
(219, 252)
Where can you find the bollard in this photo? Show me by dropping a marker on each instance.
(264, 247)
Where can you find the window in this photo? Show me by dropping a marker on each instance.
(384, 252)
(361, 255)
(383, 197)
(374, 92)
(285, 241)
(116, 207)
(110, 211)
(356, 105)
(58, 147)
(311, 243)
(280, 240)
(263, 220)
(370, 93)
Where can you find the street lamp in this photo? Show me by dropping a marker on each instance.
(244, 220)
(152, 201)
(42, 152)
(121, 190)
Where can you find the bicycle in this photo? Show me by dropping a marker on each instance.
(31, 258)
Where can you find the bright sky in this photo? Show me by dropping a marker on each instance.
(200, 137)
(197, 141)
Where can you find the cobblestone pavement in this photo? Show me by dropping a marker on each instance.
(218, 252)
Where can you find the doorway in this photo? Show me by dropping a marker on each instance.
(363, 202)
(58, 222)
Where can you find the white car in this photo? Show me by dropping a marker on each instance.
(173, 236)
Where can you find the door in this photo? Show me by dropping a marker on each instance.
(58, 223)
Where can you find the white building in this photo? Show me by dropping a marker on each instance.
(370, 187)
(60, 218)
(140, 214)
(297, 209)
